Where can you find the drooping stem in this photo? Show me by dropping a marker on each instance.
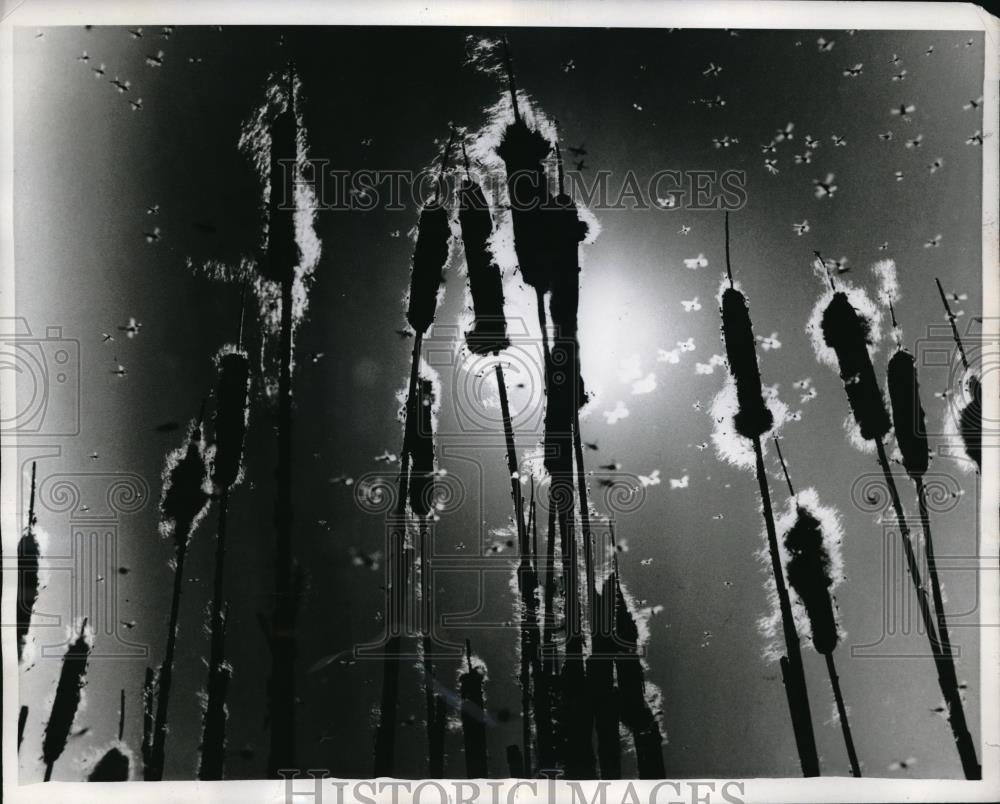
(942, 618)
(845, 726)
(943, 661)
(792, 670)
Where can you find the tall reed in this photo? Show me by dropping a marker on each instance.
(812, 543)
(184, 502)
(226, 459)
(848, 332)
(430, 255)
(28, 554)
(69, 695)
(282, 258)
(115, 764)
(472, 690)
(753, 419)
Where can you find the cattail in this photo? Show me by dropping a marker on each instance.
(22, 721)
(751, 419)
(489, 332)
(635, 712)
(471, 687)
(422, 451)
(907, 412)
(148, 707)
(523, 151)
(808, 569)
(429, 257)
(113, 766)
(231, 418)
(970, 419)
(28, 554)
(116, 763)
(69, 694)
(182, 505)
(848, 333)
(901, 380)
(282, 248)
(184, 500)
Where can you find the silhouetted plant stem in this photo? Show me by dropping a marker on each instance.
(165, 677)
(943, 661)
(951, 320)
(385, 735)
(22, 721)
(214, 731)
(791, 664)
(845, 726)
(473, 718)
(281, 686)
(944, 636)
(28, 554)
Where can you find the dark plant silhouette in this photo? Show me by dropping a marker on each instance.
(28, 554)
(69, 692)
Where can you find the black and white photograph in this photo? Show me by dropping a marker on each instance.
(603, 399)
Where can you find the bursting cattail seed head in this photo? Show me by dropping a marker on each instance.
(753, 418)
(489, 333)
(848, 334)
(970, 420)
(282, 249)
(185, 498)
(28, 555)
(421, 436)
(427, 271)
(808, 569)
(231, 415)
(113, 766)
(69, 693)
(907, 412)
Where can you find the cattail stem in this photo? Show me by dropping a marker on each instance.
(943, 661)
(282, 636)
(845, 726)
(793, 672)
(729, 267)
(524, 570)
(121, 716)
(385, 736)
(784, 467)
(166, 672)
(213, 738)
(954, 326)
(511, 84)
(435, 759)
(588, 553)
(942, 618)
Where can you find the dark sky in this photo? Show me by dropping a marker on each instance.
(87, 167)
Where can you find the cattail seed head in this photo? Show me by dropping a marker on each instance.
(970, 420)
(489, 333)
(848, 334)
(808, 569)
(907, 412)
(753, 418)
(69, 692)
(427, 271)
(113, 766)
(185, 478)
(28, 555)
(282, 249)
(421, 443)
(523, 151)
(231, 417)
